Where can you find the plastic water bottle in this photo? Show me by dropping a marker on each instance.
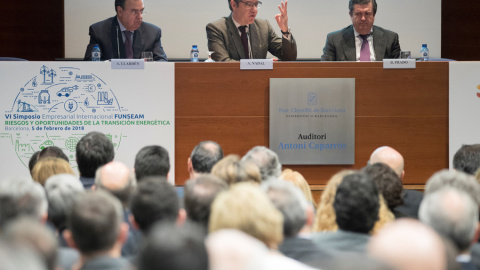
(425, 54)
(96, 53)
(194, 54)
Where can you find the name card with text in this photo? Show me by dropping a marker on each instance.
(256, 64)
(399, 63)
(128, 64)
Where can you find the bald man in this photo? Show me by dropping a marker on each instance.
(407, 244)
(411, 198)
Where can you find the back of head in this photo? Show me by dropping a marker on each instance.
(356, 203)
(20, 197)
(154, 200)
(266, 160)
(388, 183)
(300, 182)
(205, 155)
(199, 196)
(232, 170)
(95, 222)
(290, 201)
(93, 151)
(115, 178)
(30, 233)
(53, 151)
(453, 214)
(49, 166)
(455, 179)
(246, 207)
(152, 160)
(32, 161)
(390, 157)
(407, 244)
(174, 248)
(467, 159)
(61, 189)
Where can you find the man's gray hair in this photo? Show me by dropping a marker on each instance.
(453, 214)
(21, 196)
(266, 160)
(455, 179)
(289, 200)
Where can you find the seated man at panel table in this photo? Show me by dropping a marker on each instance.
(126, 35)
(361, 41)
(242, 36)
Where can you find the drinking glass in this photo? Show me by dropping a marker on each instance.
(210, 57)
(147, 56)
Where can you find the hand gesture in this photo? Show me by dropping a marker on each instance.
(282, 18)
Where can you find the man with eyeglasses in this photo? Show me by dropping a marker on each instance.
(126, 35)
(242, 36)
(361, 41)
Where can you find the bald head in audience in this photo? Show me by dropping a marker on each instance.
(408, 244)
(116, 178)
(391, 157)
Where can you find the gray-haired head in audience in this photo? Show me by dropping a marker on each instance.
(266, 160)
(455, 179)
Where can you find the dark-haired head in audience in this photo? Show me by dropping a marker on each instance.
(467, 159)
(174, 248)
(388, 184)
(32, 161)
(199, 195)
(203, 157)
(155, 200)
(30, 233)
(20, 197)
(53, 151)
(152, 160)
(266, 160)
(96, 229)
(93, 150)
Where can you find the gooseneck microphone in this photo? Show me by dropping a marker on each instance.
(118, 45)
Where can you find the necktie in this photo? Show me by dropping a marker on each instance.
(365, 50)
(244, 39)
(128, 44)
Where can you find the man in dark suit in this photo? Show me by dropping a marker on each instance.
(242, 36)
(126, 35)
(361, 41)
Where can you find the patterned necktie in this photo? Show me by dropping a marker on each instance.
(128, 44)
(244, 39)
(365, 50)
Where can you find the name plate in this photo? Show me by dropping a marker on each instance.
(256, 64)
(128, 64)
(399, 63)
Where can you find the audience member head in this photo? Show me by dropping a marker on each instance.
(116, 178)
(266, 160)
(231, 170)
(300, 182)
(388, 183)
(407, 244)
(291, 202)
(20, 197)
(32, 161)
(54, 152)
(49, 166)
(154, 200)
(391, 157)
(62, 190)
(30, 233)
(95, 225)
(93, 151)
(246, 207)
(356, 203)
(152, 160)
(204, 156)
(455, 179)
(174, 248)
(453, 214)
(467, 159)
(199, 196)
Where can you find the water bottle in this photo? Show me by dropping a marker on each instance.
(194, 54)
(424, 53)
(96, 53)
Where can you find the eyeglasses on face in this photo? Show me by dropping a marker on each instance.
(250, 4)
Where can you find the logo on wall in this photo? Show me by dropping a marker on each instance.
(312, 98)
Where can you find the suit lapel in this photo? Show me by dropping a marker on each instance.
(235, 37)
(254, 41)
(138, 41)
(379, 43)
(349, 47)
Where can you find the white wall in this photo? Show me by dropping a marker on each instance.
(183, 22)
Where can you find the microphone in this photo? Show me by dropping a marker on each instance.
(118, 44)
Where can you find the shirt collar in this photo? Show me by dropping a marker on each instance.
(358, 34)
(238, 25)
(122, 28)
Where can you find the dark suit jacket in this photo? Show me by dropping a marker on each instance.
(224, 40)
(411, 203)
(108, 36)
(340, 45)
(342, 241)
(106, 263)
(303, 250)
